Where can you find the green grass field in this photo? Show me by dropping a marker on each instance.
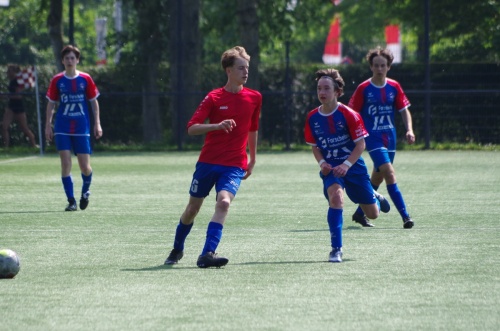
(102, 268)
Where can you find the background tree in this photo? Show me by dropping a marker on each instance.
(249, 37)
(151, 42)
(23, 33)
(54, 24)
(185, 71)
(458, 28)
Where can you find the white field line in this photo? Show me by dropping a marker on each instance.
(19, 159)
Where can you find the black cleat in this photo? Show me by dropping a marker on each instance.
(174, 256)
(211, 259)
(362, 219)
(71, 206)
(408, 223)
(84, 200)
(384, 204)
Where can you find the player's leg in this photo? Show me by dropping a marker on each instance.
(226, 186)
(83, 150)
(208, 257)
(201, 185)
(23, 123)
(8, 115)
(360, 191)
(63, 146)
(67, 180)
(395, 194)
(379, 156)
(86, 172)
(184, 228)
(335, 219)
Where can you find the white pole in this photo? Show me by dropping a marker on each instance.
(38, 112)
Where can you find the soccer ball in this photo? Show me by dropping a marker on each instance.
(9, 263)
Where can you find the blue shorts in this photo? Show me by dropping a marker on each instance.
(382, 147)
(381, 156)
(356, 184)
(223, 177)
(79, 144)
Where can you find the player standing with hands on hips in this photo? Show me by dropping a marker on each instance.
(233, 113)
(73, 89)
(337, 136)
(377, 100)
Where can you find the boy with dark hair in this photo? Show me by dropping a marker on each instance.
(377, 100)
(72, 90)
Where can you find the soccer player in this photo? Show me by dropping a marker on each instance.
(336, 135)
(15, 109)
(377, 100)
(233, 113)
(73, 90)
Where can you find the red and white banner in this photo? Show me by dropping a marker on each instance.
(393, 41)
(333, 48)
(26, 77)
(101, 33)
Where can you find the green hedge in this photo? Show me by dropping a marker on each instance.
(464, 100)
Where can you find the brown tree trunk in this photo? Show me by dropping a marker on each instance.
(150, 44)
(151, 119)
(184, 64)
(54, 24)
(249, 36)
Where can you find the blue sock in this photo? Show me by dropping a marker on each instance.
(360, 211)
(68, 187)
(86, 183)
(181, 233)
(397, 198)
(335, 222)
(214, 234)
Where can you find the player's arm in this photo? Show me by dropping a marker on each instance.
(97, 118)
(323, 165)
(406, 115)
(202, 128)
(252, 151)
(49, 114)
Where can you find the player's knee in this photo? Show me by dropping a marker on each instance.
(223, 204)
(336, 201)
(86, 171)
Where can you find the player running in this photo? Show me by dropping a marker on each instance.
(233, 113)
(337, 136)
(377, 100)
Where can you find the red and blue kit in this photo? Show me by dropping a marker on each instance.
(72, 94)
(228, 149)
(334, 134)
(377, 105)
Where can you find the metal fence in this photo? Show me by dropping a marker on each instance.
(464, 108)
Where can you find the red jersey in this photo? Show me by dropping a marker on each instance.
(228, 149)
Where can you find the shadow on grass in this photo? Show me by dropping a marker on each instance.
(178, 267)
(159, 267)
(324, 230)
(282, 262)
(33, 212)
